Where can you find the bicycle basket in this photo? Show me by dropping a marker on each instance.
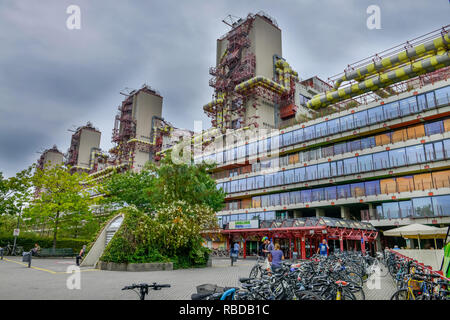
(415, 285)
(209, 288)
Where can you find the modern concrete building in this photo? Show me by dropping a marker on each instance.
(375, 152)
(50, 158)
(134, 129)
(84, 145)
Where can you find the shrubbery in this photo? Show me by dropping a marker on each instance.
(171, 235)
(27, 241)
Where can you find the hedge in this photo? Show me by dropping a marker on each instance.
(28, 241)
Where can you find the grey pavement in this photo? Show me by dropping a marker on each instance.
(47, 280)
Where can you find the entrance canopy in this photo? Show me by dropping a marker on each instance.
(331, 228)
(417, 231)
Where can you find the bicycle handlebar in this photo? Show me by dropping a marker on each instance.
(153, 286)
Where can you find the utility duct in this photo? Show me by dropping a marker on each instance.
(432, 46)
(414, 69)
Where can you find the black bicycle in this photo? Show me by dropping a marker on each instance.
(143, 288)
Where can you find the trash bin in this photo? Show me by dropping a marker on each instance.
(26, 257)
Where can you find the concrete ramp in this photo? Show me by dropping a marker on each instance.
(103, 239)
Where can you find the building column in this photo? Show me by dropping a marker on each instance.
(372, 212)
(363, 244)
(245, 248)
(341, 241)
(303, 247)
(345, 213)
(379, 246)
(320, 212)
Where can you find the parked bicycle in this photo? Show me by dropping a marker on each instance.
(142, 289)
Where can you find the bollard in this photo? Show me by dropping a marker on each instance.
(1, 253)
(26, 257)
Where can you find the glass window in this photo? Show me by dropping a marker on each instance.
(294, 197)
(330, 193)
(289, 176)
(234, 217)
(268, 180)
(442, 96)
(372, 188)
(431, 102)
(380, 214)
(275, 199)
(434, 128)
(259, 182)
(343, 191)
(328, 151)
(317, 194)
(256, 202)
(397, 157)
(251, 183)
(391, 210)
(441, 205)
(297, 136)
(415, 154)
(284, 198)
(365, 163)
(408, 106)
(351, 165)
(333, 126)
(287, 139)
(270, 215)
(300, 174)
(340, 168)
(422, 102)
(321, 129)
(333, 166)
(323, 170)
(368, 143)
(340, 148)
(305, 195)
(278, 178)
(354, 145)
(347, 122)
(429, 152)
(309, 133)
(446, 148)
(357, 190)
(234, 186)
(375, 115)
(311, 173)
(422, 207)
(242, 185)
(438, 150)
(406, 209)
(265, 201)
(361, 119)
(391, 110)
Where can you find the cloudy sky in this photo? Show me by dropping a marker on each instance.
(53, 79)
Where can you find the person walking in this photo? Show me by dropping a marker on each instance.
(80, 255)
(323, 248)
(268, 246)
(277, 256)
(234, 253)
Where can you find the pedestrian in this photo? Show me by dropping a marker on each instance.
(35, 250)
(277, 256)
(323, 248)
(80, 255)
(234, 252)
(268, 246)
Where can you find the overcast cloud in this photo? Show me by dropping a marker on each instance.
(52, 78)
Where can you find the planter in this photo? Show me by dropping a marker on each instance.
(135, 267)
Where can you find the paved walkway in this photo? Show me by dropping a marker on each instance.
(47, 279)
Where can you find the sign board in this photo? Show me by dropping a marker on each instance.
(16, 232)
(245, 224)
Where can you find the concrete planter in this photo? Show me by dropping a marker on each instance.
(134, 267)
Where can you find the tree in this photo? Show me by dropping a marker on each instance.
(15, 192)
(64, 199)
(155, 186)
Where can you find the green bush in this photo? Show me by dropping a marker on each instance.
(27, 241)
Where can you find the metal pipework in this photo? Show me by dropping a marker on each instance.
(437, 44)
(406, 72)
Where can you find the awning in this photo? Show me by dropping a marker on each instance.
(416, 231)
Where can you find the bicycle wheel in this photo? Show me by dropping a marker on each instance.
(402, 294)
(254, 272)
(308, 295)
